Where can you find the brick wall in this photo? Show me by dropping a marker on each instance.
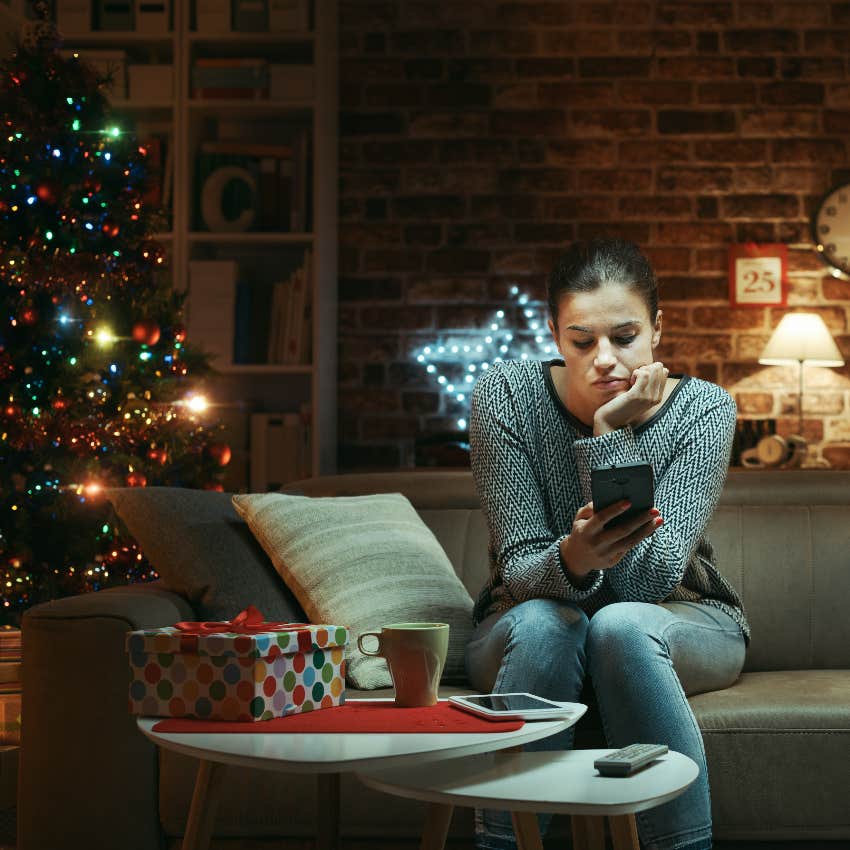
(480, 137)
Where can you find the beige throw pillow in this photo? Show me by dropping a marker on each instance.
(362, 562)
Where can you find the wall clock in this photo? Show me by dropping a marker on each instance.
(831, 228)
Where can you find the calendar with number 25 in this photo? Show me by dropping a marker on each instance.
(757, 275)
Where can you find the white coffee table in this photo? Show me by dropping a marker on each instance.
(526, 783)
(327, 755)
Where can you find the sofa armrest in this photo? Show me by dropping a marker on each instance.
(88, 778)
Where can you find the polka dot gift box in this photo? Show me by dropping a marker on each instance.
(241, 669)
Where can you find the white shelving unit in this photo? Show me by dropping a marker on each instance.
(243, 388)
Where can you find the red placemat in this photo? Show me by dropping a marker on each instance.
(360, 716)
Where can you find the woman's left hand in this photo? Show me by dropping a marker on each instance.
(646, 391)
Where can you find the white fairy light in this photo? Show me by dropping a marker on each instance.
(448, 359)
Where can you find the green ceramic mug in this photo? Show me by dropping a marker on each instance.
(415, 654)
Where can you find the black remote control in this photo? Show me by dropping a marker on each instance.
(626, 761)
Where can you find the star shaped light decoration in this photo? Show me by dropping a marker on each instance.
(456, 360)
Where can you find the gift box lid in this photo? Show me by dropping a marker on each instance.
(246, 634)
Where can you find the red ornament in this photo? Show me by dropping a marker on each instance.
(110, 228)
(136, 479)
(146, 332)
(48, 191)
(179, 333)
(219, 452)
(217, 486)
(158, 455)
(29, 316)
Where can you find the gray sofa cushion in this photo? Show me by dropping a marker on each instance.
(203, 550)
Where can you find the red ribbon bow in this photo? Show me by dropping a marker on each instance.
(247, 622)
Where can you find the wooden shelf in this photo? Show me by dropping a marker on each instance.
(141, 105)
(248, 38)
(213, 106)
(116, 38)
(265, 369)
(251, 238)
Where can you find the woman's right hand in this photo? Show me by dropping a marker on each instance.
(591, 546)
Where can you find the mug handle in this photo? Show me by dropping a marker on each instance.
(377, 635)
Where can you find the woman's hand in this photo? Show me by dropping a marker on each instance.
(646, 391)
(591, 546)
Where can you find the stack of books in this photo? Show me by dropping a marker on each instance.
(272, 320)
(10, 685)
(280, 172)
(289, 337)
(240, 78)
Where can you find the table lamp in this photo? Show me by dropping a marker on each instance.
(801, 338)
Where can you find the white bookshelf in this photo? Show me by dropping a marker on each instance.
(275, 387)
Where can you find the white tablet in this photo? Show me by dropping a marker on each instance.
(518, 707)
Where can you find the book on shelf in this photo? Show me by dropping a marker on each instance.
(300, 178)
(212, 308)
(280, 449)
(252, 321)
(279, 316)
(156, 138)
(295, 350)
(230, 77)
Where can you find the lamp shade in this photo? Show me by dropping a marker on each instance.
(801, 337)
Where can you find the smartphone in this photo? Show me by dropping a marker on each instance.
(518, 707)
(632, 481)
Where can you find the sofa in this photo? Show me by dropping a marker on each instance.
(778, 741)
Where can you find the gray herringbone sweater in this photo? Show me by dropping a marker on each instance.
(531, 460)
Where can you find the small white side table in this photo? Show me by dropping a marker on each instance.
(325, 755)
(526, 783)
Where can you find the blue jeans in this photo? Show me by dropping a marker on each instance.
(643, 660)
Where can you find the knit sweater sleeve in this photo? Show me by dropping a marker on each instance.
(687, 490)
(524, 549)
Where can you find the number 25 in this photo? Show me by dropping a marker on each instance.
(759, 280)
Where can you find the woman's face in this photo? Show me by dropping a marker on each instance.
(603, 336)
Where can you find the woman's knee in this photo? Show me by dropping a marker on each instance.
(547, 621)
(622, 629)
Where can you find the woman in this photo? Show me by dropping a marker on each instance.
(640, 607)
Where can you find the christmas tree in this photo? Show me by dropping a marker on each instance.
(99, 387)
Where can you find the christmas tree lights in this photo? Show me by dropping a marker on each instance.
(94, 365)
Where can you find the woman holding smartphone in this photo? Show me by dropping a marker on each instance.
(639, 606)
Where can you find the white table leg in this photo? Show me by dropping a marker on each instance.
(199, 826)
(623, 832)
(437, 819)
(527, 831)
(588, 832)
(327, 811)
